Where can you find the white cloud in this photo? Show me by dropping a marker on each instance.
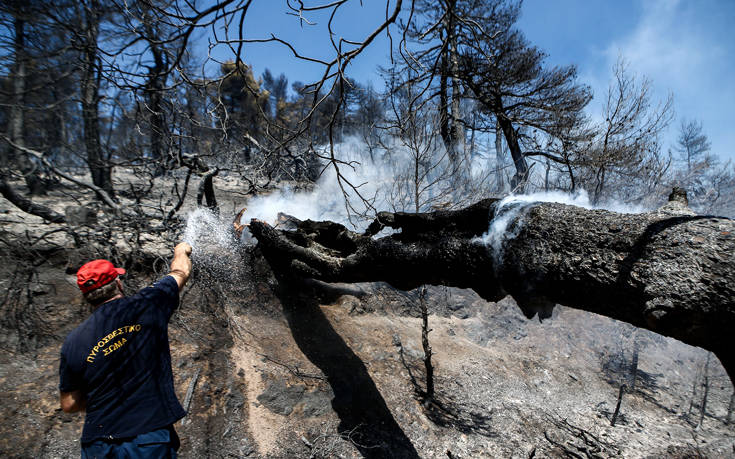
(685, 48)
(669, 44)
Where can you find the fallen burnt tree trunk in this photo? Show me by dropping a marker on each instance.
(669, 271)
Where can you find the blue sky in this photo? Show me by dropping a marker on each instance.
(686, 48)
(353, 22)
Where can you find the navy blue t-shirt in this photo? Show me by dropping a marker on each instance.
(119, 358)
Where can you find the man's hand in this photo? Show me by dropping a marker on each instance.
(71, 402)
(183, 247)
(181, 264)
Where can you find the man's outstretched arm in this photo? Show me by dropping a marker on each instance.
(181, 264)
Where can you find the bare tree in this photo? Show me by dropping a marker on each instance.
(451, 124)
(90, 14)
(132, 58)
(508, 77)
(428, 366)
(692, 143)
(629, 136)
(628, 370)
(20, 14)
(700, 394)
(472, 50)
(711, 181)
(422, 171)
(154, 86)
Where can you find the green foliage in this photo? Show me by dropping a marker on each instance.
(244, 103)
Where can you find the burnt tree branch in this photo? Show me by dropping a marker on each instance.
(669, 271)
(26, 205)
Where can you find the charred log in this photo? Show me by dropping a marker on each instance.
(27, 205)
(206, 190)
(669, 271)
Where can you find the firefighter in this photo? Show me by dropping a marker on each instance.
(116, 365)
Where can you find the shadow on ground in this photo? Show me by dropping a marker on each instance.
(365, 419)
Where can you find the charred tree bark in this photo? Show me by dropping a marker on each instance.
(499, 158)
(154, 89)
(99, 168)
(157, 127)
(16, 120)
(518, 182)
(491, 100)
(451, 130)
(669, 271)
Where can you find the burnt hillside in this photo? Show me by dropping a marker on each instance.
(269, 368)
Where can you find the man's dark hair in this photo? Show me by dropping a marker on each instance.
(102, 294)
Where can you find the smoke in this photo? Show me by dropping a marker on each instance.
(385, 180)
(376, 177)
(332, 199)
(509, 212)
(212, 238)
(326, 201)
(579, 199)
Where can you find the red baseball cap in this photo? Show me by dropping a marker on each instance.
(95, 274)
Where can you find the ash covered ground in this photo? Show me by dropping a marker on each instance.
(277, 370)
